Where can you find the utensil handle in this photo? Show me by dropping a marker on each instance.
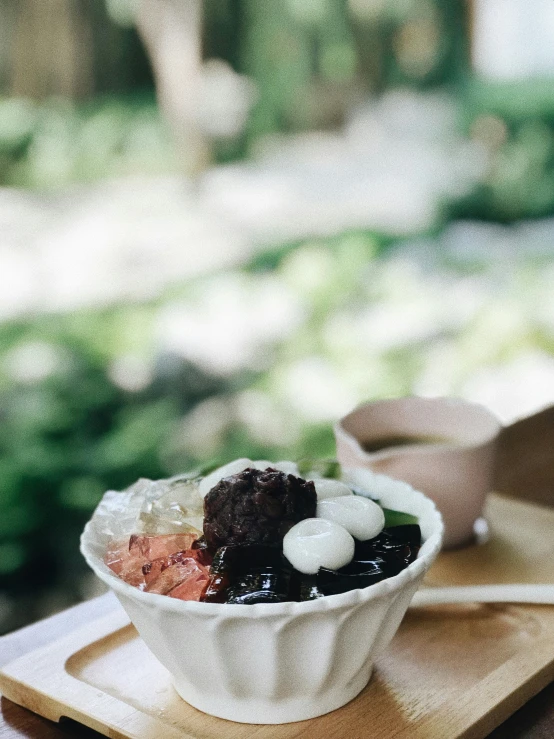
(484, 594)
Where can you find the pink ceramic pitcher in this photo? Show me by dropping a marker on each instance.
(441, 446)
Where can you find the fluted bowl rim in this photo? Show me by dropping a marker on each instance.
(399, 493)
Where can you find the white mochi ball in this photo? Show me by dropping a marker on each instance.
(330, 488)
(315, 542)
(371, 484)
(361, 517)
(289, 468)
(232, 468)
(262, 464)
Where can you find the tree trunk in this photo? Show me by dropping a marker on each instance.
(172, 33)
(51, 50)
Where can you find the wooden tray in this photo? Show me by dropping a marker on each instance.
(450, 671)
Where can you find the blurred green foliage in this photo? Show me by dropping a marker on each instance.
(514, 122)
(320, 326)
(56, 144)
(311, 61)
(68, 435)
(68, 432)
(53, 144)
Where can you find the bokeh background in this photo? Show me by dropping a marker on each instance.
(225, 223)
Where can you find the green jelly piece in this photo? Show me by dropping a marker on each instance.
(398, 518)
(329, 468)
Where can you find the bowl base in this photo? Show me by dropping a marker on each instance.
(257, 710)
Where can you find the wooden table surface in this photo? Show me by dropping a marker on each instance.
(525, 469)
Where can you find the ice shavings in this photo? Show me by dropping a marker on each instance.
(370, 484)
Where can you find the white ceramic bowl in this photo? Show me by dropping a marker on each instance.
(275, 662)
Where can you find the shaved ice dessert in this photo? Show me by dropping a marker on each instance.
(257, 532)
